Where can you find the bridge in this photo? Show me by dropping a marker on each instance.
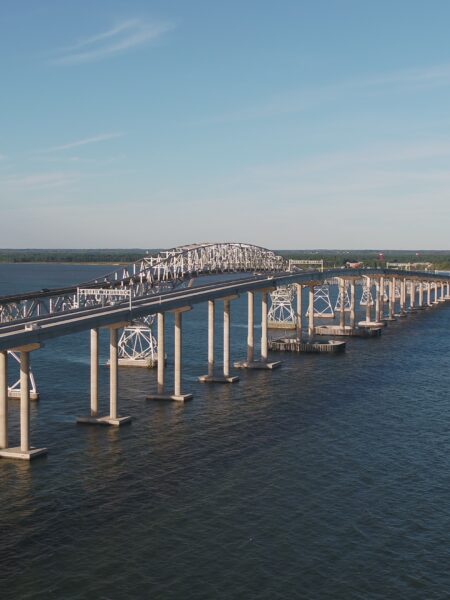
(132, 296)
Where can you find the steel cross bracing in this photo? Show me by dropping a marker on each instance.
(366, 297)
(322, 303)
(347, 303)
(281, 312)
(150, 275)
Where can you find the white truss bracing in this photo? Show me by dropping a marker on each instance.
(366, 297)
(281, 312)
(322, 302)
(137, 343)
(14, 390)
(149, 275)
(347, 304)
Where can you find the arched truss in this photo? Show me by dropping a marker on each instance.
(151, 274)
(178, 264)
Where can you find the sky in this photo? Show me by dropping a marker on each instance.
(288, 124)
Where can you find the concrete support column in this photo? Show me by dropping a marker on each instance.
(24, 451)
(381, 298)
(211, 319)
(94, 372)
(250, 363)
(428, 293)
(342, 303)
(112, 418)
(251, 327)
(352, 303)
(161, 353)
(436, 300)
(113, 373)
(264, 340)
(392, 298)
(412, 294)
(421, 294)
(441, 297)
(377, 301)
(177, 342)
(368, 307)
(226, 338)
(177, 353)
(298, 315)
(24, 401)
(311, 312)
(403, 297)
(3, 399)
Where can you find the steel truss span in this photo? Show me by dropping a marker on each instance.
(150, 275)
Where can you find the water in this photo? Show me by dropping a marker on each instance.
(326, 479)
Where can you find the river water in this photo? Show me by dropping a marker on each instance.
(328, 478)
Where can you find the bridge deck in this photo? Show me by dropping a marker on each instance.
(15, 334)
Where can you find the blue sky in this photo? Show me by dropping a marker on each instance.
(289, 124)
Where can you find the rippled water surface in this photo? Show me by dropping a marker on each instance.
(328, 478)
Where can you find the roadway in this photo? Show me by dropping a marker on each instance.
(16, 334)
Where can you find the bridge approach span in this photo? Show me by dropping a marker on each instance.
(40, 328)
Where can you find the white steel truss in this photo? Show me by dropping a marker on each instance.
(322, 303)
(281, 313)
(138, 345)
(366, 297)
(149, 275)
(347, 304)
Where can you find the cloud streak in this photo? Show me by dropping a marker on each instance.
(102, 137)
(121, 38)
(294, 101)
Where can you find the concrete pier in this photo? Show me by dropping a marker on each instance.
(161, 361)
(297, 345)
(352, 304)
(24, 451)
(263, 363)
(298, 311)
(391, 301)
(311, 312)
(373, 330)
(177, 394)
(113, 418)
(402, 312)
(3, 400)
(94, 372)
(342, 302)
(226, 377)
(368, 305)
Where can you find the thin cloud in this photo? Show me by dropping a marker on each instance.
(124, 36)
(39, 181)
(103, 137)
(293, 101)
